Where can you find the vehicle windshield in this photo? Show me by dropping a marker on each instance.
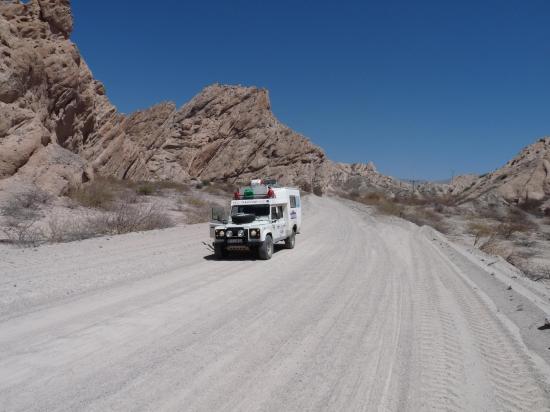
(260, 211)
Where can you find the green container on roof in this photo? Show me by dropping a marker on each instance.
(248, 193)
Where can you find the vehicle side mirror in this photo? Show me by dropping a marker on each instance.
(218, 214)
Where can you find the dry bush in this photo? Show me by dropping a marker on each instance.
(97, 194)
(489, 212)
(480, 230)
(127, 196)
(426, 217)
(533, 207)
(25, 205)
(539, 272)
(493, 247)
(373, 199)
(125, 219)
(201, 214)
(411, 200)
(102, 192)
(304, 186)
(202, 184)
(69, 230)
(145, 189)
(219, 188)
(180, 204)
(388, 207)
(518, 216)
(195, 201)
(122, 218)
(382, 204)
(318, 190)
(154, 187)
(23, 233)
(168, 184)
(506, 230)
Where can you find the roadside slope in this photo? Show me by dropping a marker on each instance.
(365, 313)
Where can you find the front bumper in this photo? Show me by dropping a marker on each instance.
(243, 242)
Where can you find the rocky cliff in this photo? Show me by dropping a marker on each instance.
(525, 177)
(58, 128)
(50, 104)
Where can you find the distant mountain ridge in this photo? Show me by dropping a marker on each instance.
(58, 129)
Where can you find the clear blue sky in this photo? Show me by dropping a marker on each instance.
(422, 88)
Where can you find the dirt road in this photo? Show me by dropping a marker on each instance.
(365, 314)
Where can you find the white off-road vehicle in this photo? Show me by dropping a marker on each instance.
(262, 214)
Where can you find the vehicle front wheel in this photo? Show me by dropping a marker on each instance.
(290, 241)
(219, 251)
(266, 250)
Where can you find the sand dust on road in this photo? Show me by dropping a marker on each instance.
(364, 314)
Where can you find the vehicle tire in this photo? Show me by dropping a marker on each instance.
(266, 250)
(255, 252)
(219, 251)
(290, 241)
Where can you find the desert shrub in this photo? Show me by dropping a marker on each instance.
(69, 229)
(426, 217)
(489, 212)
(493, 247)
(480, 231)
(318, 190)
(201, 214)
(506, 230)
(145, 189)
(213, 189)
(23, 233)
(517, 216)
(439, 208)
(305, 186)
(120, 219)
(411, 200)
(126, 219)
(97, 194)
(127, 196)
(353, 195)
(157, 186)
(180, 204)
(525, 243)
(532, 206)
(374, 199)
(25, 205)
(536, 273)
(388, 207)
(195, 201)
(169, 184)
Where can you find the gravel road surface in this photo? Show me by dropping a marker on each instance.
(366, 313)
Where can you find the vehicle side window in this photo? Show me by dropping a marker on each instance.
(293, 201)
(280, 212)
(274, 213)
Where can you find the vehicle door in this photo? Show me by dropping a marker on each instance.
(276, 222)
(281, 223)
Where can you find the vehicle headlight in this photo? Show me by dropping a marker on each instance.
(240, 233)
(229, 233)
(253, 233)
(221, 233)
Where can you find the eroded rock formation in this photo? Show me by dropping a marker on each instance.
(58, 128)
